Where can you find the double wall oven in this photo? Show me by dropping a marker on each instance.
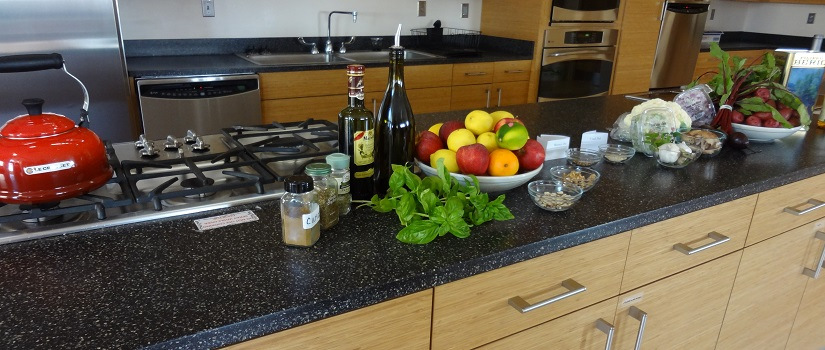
(579, 48)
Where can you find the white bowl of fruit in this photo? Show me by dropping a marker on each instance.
(494, 147)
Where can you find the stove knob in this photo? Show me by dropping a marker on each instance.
(199, 145)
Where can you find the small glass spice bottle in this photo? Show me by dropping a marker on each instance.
(340, 172)
(300, 212)
(327, 189)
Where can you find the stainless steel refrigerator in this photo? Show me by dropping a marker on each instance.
(680, 39)
(86, 33)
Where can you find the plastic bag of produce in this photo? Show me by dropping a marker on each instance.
(697, 104)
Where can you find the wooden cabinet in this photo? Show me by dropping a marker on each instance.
(667, 247)
(487, 307)
(768, 289)
(808, 326)
(402, 323)
(589, 328)
(490, 84)
(783, 208)
(636, 49)
(683, 311)
(707, 63)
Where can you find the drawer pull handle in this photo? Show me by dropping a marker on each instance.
(514, 71)
(642, 317)
(475, 74)
(815, 272)
(795, 211)
(487, 91)
(717, 238)
(608, 329)
(499, 98)
(523, 306)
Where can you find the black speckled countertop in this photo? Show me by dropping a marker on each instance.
(166, 285)
(184, 57)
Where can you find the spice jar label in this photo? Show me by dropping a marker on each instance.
(311, 219)
(343, 184)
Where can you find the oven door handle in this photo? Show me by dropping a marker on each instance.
(571, 53)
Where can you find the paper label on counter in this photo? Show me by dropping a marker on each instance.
(225, 220)
(593, 139)
(311, 219)
(555, 146)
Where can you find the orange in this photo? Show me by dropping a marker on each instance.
(503, 162)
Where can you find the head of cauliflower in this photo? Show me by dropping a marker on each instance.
(682, 116)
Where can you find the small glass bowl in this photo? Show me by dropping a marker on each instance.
(583, 157)
(684, 160)
(617, 154)
(585, 178)
(554, 195)
(708, 140)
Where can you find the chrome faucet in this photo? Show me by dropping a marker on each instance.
(328, 49)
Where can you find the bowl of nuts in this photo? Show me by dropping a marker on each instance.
(585, 178)
(554, 195)
(583, 156)
(616, 153)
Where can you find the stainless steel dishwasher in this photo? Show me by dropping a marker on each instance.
(680, 38)
(203, 104)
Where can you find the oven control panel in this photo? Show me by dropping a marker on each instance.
(576, 37)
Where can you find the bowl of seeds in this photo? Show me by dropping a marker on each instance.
(583, 177)
(617, 154)
(583, 156)
(554, 195)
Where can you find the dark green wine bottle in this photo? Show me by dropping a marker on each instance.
(356, 135)
(395, 125)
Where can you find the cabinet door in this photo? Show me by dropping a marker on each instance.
(637, 46)
(808, 330)
(402, 323)
(511, 71)
(299, 109)
(510, 93)
(589, 328)
(683, 311)
(471, 97)
(767, 291)
(426, 76)
(429, 100)
(786, 207)
(480, 309)
(473, 73)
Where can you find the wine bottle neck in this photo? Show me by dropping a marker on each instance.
(397, 65)
(355, 89)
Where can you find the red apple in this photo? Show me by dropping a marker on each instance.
(531, 156)
(428, 143)
(448, 127)
(473, 159)
(505, 121)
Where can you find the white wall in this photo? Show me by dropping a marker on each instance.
(770, 18)
(182, 19)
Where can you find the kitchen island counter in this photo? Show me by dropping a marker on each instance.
(165, 284)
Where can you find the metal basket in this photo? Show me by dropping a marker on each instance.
(447, 38)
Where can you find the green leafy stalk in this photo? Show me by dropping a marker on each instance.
(436, 205)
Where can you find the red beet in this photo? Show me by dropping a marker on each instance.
(737, 117)
(786, 113)
(771, 123)
(771, 103)
(763, 116)
(763, 93)
(753, 121)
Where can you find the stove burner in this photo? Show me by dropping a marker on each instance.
(196, 183)
(190, 137)
(171, 143)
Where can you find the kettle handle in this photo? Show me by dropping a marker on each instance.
(30, 63)
(36, 62)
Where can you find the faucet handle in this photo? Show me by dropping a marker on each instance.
(314, 49)
(343, 48)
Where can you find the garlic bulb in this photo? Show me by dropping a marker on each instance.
(669, 152)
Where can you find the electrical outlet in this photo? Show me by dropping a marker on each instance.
(208, 8)
(712, 13)
(465, 10)
(422, 8)
(811, 17)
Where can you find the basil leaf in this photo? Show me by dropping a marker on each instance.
(500, 211)
(406, 208)
(411, 180)
(459, 228)
(444, 175)
(428, 200)
(418, 232)
(396, 182)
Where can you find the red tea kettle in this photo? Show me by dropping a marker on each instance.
(46, 157)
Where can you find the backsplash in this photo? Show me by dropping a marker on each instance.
(182, 19)
(782, 19)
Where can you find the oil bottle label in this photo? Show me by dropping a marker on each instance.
(364, 174)
(364, 144)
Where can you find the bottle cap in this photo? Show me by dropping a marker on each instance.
(298, 184)
(318, 169)
(338, 161)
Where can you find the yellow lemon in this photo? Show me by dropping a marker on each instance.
(478, 122)
(488, 139)
(436, 128)
(460, 137)
(449, 160)
(499, 115)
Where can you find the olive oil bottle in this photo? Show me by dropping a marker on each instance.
(395, 125)
(356, 135)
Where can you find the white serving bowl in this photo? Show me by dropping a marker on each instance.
(763, 134)
(486, 183)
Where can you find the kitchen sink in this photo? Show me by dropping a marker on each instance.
(319, 59)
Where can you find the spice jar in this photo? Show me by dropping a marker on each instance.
(327, 189)
(340, 172)
(300, 212)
